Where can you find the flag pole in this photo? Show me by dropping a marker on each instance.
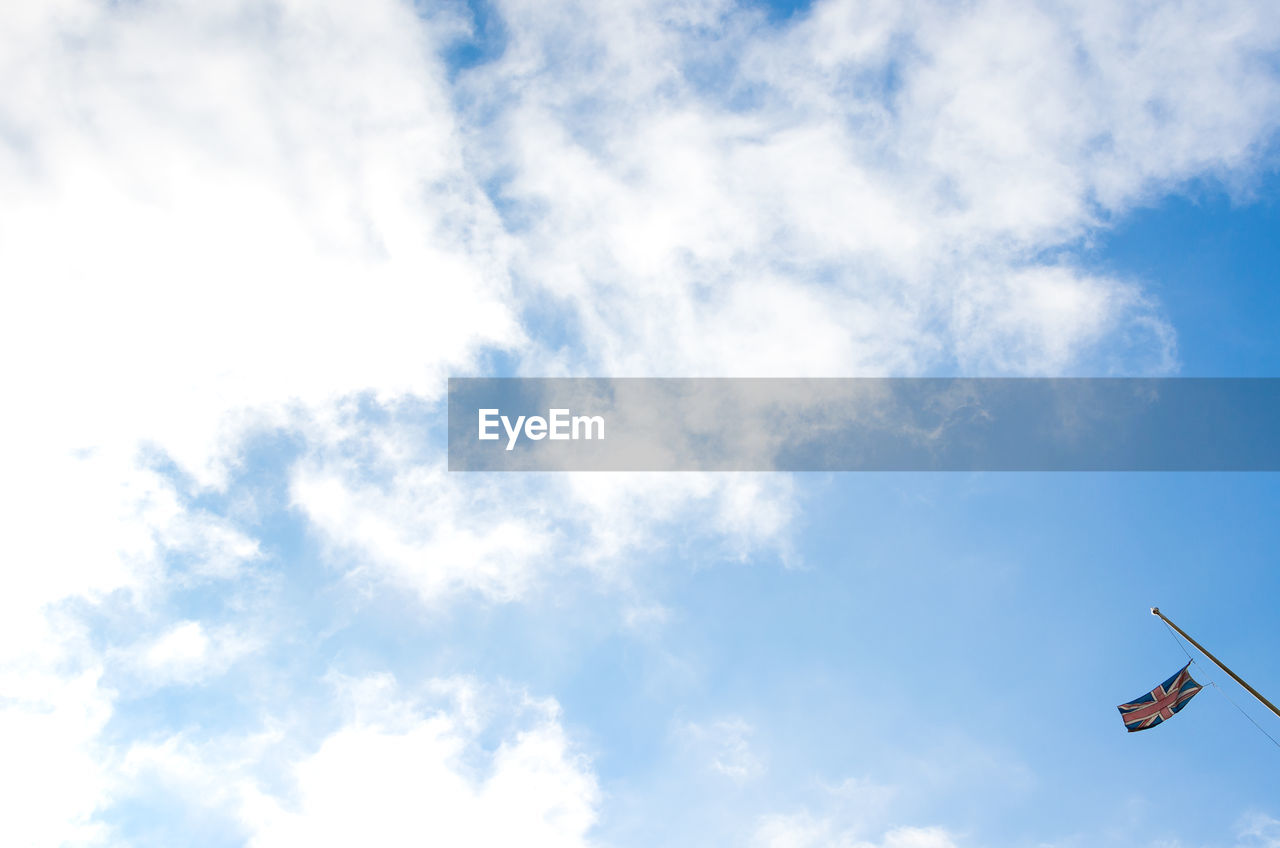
(1254, 692)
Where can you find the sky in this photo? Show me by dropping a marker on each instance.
(244, 245)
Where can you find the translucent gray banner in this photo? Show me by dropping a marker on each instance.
(864, 424)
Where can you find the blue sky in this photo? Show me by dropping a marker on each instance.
(245, 245)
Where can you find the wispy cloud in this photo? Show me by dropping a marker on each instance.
(725, 744)
(224, 218)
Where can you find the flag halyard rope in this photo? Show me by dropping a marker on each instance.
(1204, 673)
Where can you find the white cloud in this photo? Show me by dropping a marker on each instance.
(183, 646)
(400, 770)
(832, 198)
(803, 831)
(53, 778)
(214, 212)
(1259, 830)
(93, 528)
(646, 618)
(534, 796)
(865, 191)
(501, 536)
(217, 208)
(846, 815)
(725, 745)
(430, 531)
(227, 216)
(1039, 319)
(188, 652)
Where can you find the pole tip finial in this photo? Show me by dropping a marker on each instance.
(1155, 610)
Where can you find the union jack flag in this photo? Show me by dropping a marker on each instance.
(1161, 702)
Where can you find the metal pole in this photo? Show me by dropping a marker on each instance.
(1216, 661)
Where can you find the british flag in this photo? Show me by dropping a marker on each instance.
(1161, 702)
